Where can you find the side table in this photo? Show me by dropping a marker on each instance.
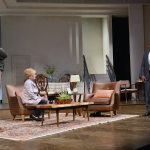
(140, 86)
(79, 100)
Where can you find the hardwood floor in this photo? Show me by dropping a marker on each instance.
(128, 134)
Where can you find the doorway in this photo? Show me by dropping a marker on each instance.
(121, 50)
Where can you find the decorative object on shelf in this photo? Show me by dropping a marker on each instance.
(50, 71)
(63, 98)
(50, 78)
(75, 79)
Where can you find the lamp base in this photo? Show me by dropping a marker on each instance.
(75, 90)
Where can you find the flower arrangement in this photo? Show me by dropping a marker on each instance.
(63, 96)
(49, 70)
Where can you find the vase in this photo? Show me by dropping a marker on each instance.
(50, 78)
(68, 101)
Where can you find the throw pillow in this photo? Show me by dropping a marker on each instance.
(18, 94)
(103, 94)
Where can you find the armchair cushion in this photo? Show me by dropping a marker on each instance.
(99, 101)
(103, 94)
(18, 94)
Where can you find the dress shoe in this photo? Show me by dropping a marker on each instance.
(95, 114)
(92, 114)
(146, 114)
(37, 119)
(98, 114)
(41, 119)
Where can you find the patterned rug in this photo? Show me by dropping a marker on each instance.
(16, 130)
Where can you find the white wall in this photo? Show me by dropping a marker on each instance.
(106, 48)
(45, 39)
(146, 13)
(93, 44)
(110, 39)
(136, 32)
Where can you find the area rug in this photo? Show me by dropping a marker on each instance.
(16, 130)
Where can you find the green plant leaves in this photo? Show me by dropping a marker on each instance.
(49, 70)
(63, 96)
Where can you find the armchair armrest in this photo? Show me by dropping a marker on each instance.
(88, 95)
(15, 105)
(113, 98)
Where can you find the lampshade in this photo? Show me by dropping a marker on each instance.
(75, 78)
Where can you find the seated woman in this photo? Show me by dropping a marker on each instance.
(29, 96)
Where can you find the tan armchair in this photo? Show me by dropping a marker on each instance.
(15, 102)
(104, 104)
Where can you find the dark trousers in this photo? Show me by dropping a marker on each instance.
(0, 77)
(147, 91)
(38, 111)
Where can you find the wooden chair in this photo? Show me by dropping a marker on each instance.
(41, 82)
(64, 79)
(126, 88)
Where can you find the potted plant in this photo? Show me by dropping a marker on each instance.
(63, 98)
(49, 71)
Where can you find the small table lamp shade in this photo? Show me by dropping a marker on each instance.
(75, 78)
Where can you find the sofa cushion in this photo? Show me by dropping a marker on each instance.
(103, 94)
(98, 101)
(18, 94)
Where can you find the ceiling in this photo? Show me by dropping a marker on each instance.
(84, 8)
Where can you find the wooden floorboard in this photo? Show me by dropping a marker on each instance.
(128, 134)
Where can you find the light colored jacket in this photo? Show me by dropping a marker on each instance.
(28, 95)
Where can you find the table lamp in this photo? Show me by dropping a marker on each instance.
(75, 79)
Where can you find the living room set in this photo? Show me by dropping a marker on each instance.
(105, 97)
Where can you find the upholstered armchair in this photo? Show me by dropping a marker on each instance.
(15, 102)
(104, 104)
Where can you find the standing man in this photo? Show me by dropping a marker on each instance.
(3, 55)
(145, 74)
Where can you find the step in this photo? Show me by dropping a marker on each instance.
(102, 78)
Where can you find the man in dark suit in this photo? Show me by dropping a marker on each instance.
(145, 74)
(3, 55)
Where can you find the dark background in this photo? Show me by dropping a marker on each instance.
(121, 50)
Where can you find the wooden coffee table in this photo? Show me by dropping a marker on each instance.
(58, 107)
